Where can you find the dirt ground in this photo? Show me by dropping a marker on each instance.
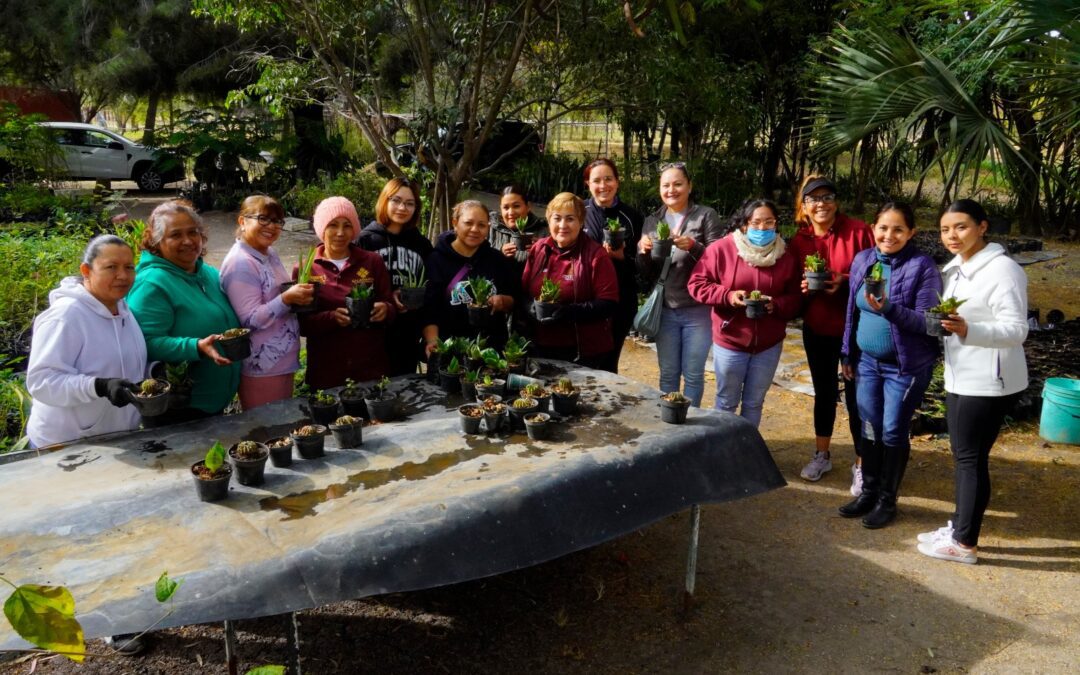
(784, 584)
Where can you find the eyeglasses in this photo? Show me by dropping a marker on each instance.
(823, 199)
(265, 220)
(401, 203)
(763, 224)
(681, 166)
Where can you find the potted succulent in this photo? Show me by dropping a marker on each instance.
(564, 397)
(756, 305)
(359, 302)
(179, 385)
(469, 379)
(249, 458)
(537, 425)
(352, 399)
(490, 386)
(537, 392)
(304, 276)
(816, 273)
(875, 280)
(614, 234)
(413, 290)
(521, 239)
(673, 407)
(348, 431)
(547, 301)
(661, 247)
(480, 289)
(212, 474)
(495, 413)
(494, 364)
(382, 404)
(938, 313)
(324, 407)
(309, 440)
(469, 416)
(450, 376)
(152, 397)
(280, 451)
(515, 353)
(519, 408)
(235, 344)
(474, 352)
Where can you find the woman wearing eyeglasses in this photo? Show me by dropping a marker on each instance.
(251, 276)
(395, 237)
(747, 350)
(836, 238)
(682, 344)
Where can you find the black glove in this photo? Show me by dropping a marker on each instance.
(118, 390)
(560, 314)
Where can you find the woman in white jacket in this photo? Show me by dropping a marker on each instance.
(86, 351)
(985, 369)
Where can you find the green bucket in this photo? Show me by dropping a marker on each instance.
(1060, 421)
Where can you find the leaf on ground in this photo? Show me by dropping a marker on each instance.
(45, 616)
(165, 587)
(266, 670)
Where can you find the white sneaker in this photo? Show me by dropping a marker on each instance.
(818, 467)
(947, 549)
(940, 533)
(856, 480)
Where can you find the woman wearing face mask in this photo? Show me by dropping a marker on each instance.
(514, 207)
(682, 345)
(985, 368)
(603, 205)
(394, 235)
(888, 351)
(746, 351)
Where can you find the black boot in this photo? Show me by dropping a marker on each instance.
(893, 466)
(871, 476)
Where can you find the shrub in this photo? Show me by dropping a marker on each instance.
(14, 406)
(33, 266)
(362, 188)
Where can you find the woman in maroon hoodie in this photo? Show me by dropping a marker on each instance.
(580, 329)
(746, 351)
(836, 238)
(334, 350)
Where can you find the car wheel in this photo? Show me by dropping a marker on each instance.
(149, 179)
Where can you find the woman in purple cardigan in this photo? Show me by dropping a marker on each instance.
(887, 350)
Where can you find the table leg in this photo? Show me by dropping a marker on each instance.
(691, 556)
(292, 633)
(230, 648)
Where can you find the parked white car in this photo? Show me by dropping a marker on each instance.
(90, 152)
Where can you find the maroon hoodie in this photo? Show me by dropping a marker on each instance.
(823, 313)
(721, 271)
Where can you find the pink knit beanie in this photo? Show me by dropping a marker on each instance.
(331, 208)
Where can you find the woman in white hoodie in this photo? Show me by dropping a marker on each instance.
(985, 369)
(87, 350)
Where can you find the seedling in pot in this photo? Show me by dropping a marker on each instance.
(565, 397)
(814, 263)
(535, 391)
(756, 305)
(875, 280)
(362, 292)
(947, 306)
(938, 313)
(250, 460)
(549, 291)
(309, 441)
(471, 376)
(307, 259)
(248, 450)
(516, 349)
(323, 407)
(564, 387)
(663, 230)
(454, 368)
(876, 273)
(816, 272)
(234, 333)
(212, 474)
(673, 407)
(520, 224)
(613, 225)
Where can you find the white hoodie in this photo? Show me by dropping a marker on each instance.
(990, 360)
(76, 340)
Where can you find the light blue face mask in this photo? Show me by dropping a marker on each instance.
(760, 237)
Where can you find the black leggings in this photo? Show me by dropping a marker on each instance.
(823, 356)
(974, 423)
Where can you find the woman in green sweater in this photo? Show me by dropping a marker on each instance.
(178, 302)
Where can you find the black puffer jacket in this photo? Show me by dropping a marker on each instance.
(404, 253)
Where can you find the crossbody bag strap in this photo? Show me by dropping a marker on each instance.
(461, 274)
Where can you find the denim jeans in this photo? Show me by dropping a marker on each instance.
(682, 345)
(887, 399)
(745, 377)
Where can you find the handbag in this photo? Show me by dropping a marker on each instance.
(647, 319)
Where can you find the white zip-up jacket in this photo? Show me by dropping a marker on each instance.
(990, 360)
(76, 340)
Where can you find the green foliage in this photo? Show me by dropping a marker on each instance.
(480, 288)
(323, 398)
(520, 223)
(516, 349)
(266, 670)
(663, 230)
(215, 457)
(362, 291)
(382, 384)
(45, 616)
(472, 376)
(541, 176)
(165, 587)
(360, 187)
(307, 259)
(454, 367)
(947, 305)
(549, 290)
(756, 295)
(300, 386)
(876, 273)
(413, 280)
(814, 263)
(14, 407)
(613, 224)
(27, 150)
(33, 266)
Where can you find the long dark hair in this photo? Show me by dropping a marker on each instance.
(903, 207)
(745, 212)
(968, 207)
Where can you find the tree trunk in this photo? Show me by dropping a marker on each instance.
(151, 118)
(313, 146)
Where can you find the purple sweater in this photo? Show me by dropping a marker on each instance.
(913, 289)
(252, 281)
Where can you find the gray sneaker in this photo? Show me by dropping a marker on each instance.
(818, 467)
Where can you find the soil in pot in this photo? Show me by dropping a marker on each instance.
(249, 458)
(311, 306)
(470, 415)
(152, 397)
(383, 409)
(755, 309)
(323, 413)
(280, 451)
(359, 311)
(413, 298)
(309, 441)
(496, 388)
(673, 408)
(235, 344)
(538, 425)
(348, 431)
(933, 324)
(661, 249)
(816, 281)
(211, 486)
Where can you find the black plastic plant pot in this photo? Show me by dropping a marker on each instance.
(348, 435)
(382, 409)
(311, 306)
(323, 413)
(470, 424)
(755, 309)
(280, 455)
(479, 316)
(468, 390)
(565, 404)
(354, 407)
(496, 388)
(521, 241)
(495, 421)
(235, 348)
(178, 400)
(874, 287)
(359, 311)
(517, 415)
(661, 248)
(543, 401)
(538, 425)
(816, 281)
(152, 406)
(545, 310)
(250, 471)
(450, 382)
(673, 413)
(933, 324)
(614, 239)
(311, 447)
(434, 363)
(212, 489)
(413, 298)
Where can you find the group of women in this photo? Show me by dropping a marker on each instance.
(102, 332)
